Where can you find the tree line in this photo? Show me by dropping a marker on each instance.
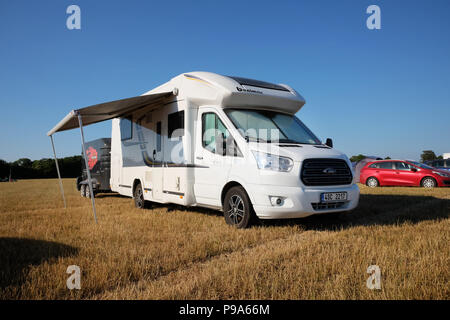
(426, 155)
(25, 168)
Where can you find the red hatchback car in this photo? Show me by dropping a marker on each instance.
(402, 173)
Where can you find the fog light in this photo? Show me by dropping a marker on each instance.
(276, 201)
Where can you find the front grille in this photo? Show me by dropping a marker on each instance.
(325, 172)
(327, 205)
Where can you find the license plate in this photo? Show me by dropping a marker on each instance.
(333, 196)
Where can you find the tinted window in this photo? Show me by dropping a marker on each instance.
(158, 136)
(385, 165)
(374, 165)
(447, 163)
(402, 166)
(176, 122)
(126, 129)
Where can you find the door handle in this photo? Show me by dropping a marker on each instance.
(199, 158)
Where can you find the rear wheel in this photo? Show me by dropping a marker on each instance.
(83, 190)
(428, 182)
(372, 182)
(237, 207)
(138, 196)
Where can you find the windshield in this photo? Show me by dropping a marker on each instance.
(422, 165)
(271, 126)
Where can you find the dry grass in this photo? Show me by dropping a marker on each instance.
(168, 253)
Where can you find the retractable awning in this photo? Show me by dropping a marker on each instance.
(97, 113)
(106, 111)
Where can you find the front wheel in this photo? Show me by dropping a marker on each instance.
(237, 207)
(138, 196)
(429, 182)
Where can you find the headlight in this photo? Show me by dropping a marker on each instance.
(442, 174)
(269, 161)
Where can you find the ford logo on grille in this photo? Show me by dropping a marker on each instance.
(329, 171)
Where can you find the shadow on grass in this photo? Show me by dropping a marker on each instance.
(18, 254)
(372, 210)
(376, 210)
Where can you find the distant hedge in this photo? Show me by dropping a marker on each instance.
(25, 168)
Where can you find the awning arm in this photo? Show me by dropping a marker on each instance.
(59, 174)
(91, 189)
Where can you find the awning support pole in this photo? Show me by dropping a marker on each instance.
(59, 173)
(91, 189)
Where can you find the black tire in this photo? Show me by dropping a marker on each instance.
(428, 182)
(83, 190)
(78, 183)
(237, 208)
(87, 193)
(138, 197)
(372, 182)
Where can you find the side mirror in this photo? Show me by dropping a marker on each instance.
(413, 169)
(329, 142)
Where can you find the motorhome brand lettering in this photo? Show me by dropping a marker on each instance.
(248, 90)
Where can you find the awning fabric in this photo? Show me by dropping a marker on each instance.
(108, 110)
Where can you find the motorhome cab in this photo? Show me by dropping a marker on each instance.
(227, 143)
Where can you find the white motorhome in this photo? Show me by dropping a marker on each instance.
(227, 143)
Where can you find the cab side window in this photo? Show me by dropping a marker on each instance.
(215, 136)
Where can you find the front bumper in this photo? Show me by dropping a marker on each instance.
(298, 202)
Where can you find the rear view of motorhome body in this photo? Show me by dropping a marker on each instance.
(227, 143)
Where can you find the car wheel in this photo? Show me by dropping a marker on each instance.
(372, 182)
(83, 190)
(429, 182)
(87, 192)
(138, 196)
(238, 209)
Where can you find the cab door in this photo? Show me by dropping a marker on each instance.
(212, 166)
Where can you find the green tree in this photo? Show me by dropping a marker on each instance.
(357, 158)
(23, 162)
(428, 155)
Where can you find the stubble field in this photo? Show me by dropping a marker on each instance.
(171, 253)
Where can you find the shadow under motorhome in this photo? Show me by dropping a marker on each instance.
(227, 143)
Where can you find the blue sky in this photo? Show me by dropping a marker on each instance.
(379, 92)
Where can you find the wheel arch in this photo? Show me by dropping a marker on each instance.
(376, 178)
(135, 183)
(230, 184)
(431, 177)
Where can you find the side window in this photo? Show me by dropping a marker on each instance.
(158, 136)
(385, 165)
(212, 129)
(374, 165)
(438, 163)
(402, 166)
(447, 163)
(126, 129)
(176, 124)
